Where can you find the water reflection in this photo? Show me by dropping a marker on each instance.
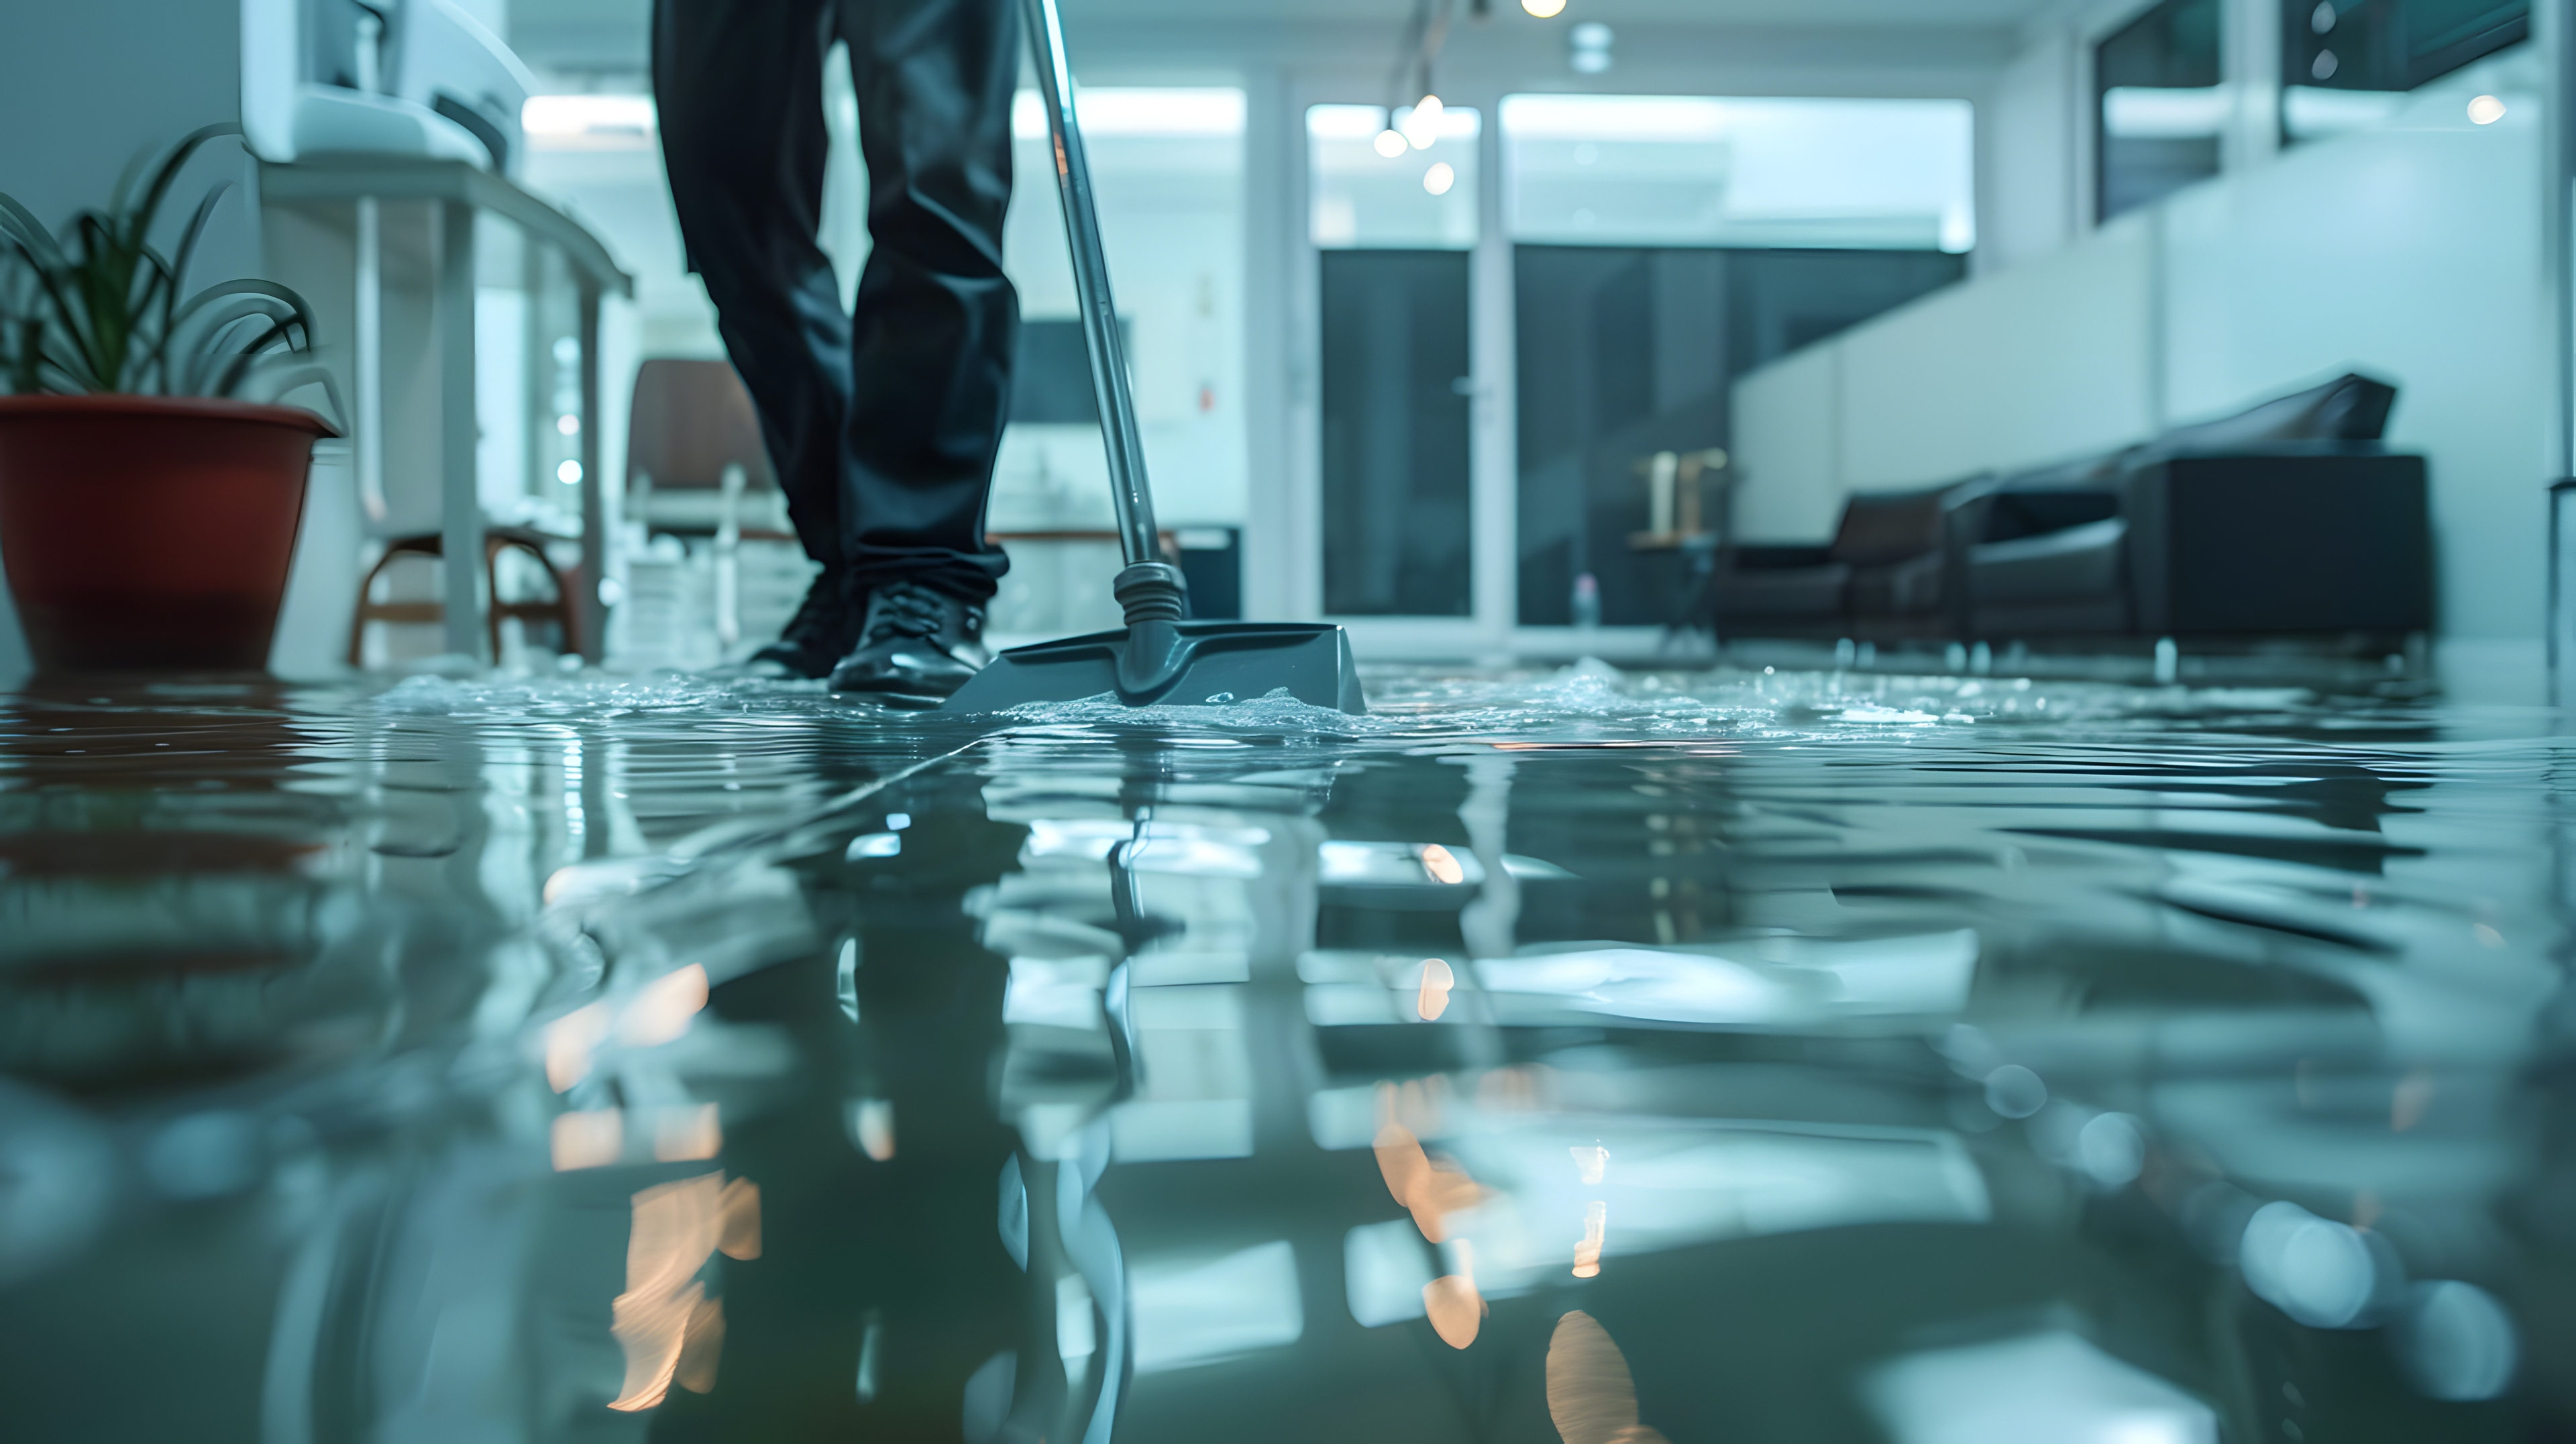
(1621, 1059)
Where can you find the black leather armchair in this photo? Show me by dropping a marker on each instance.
(1887, 574)
(2287, 518)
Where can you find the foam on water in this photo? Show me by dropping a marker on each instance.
(1589, 700)
(1592, 700)
(585, 694)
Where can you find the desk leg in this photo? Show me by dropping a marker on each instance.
(591, 608)
(460, 499)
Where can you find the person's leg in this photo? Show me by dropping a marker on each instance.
(936, 320)
(738, 86)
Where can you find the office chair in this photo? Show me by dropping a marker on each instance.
(696, 468)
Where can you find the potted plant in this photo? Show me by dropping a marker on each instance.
(149, 489)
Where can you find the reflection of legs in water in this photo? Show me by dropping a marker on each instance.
(909, 1243)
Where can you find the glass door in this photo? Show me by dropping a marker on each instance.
(1393, 216)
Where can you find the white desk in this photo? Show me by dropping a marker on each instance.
(459, 190)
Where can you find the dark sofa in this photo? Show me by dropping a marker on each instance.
(1886, 571)
(2287, 518)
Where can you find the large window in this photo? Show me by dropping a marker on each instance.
(1395, 434)
(1378, 179)
(2345, 62)
(1721, 171)
(2161, 105)
(1392, 206)
(1666, 246)
(1627, 352)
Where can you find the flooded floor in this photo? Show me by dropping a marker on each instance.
(1581, 1056)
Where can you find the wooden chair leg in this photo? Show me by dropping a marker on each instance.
(560, 610)
(370, 610)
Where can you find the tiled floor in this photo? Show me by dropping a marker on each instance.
(1803, 1056)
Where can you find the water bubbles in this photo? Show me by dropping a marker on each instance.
(2324, 1274)
(2456, 1342)
(2111, 1149)
(2015, 1092)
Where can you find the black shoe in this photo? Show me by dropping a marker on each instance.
(824, 629)
(919, 644)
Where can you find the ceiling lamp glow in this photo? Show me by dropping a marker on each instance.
(1544, 9)
(2485, 110)
(1421, 125)
(1390, 143)
(1439, 178)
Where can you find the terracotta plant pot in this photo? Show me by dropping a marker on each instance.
(150, 532)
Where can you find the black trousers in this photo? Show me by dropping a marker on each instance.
(882, 426)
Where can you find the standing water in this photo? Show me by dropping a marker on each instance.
(1584, 1056)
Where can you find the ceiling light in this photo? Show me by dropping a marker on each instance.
(1390, 143)
(1590, 47)
(588, 122)
(2486, 110)
(1421, 125)
(1439, 178)
(1544, 9)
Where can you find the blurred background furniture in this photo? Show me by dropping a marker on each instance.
(2287, 518)
(1886, 575)
(349, 195)
(500, 542)
(1679, 511)
(698, 472)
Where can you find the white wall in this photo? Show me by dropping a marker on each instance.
(2027, 138)
(1788, 448)
(2412, 253)
(2043, 362)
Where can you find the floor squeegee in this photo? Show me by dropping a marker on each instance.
(1159, 657)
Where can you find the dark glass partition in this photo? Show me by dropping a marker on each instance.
(1628, 351)
(2157, 105)
(2392, 44)
(1395, 392)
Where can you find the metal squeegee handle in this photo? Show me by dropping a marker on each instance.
(1137, 539)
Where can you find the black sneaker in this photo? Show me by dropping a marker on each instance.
(825, 627)
(918, 645)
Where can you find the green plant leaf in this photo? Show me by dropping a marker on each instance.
(99, 309)
(248, 286)
(23, 230)
(169, 173)
(217, 343)
(196, 231)
(228, 380)
(273, 375)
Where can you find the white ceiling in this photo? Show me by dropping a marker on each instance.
(1912, 14)
(610, 34)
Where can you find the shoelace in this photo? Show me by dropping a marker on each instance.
(903, 610)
